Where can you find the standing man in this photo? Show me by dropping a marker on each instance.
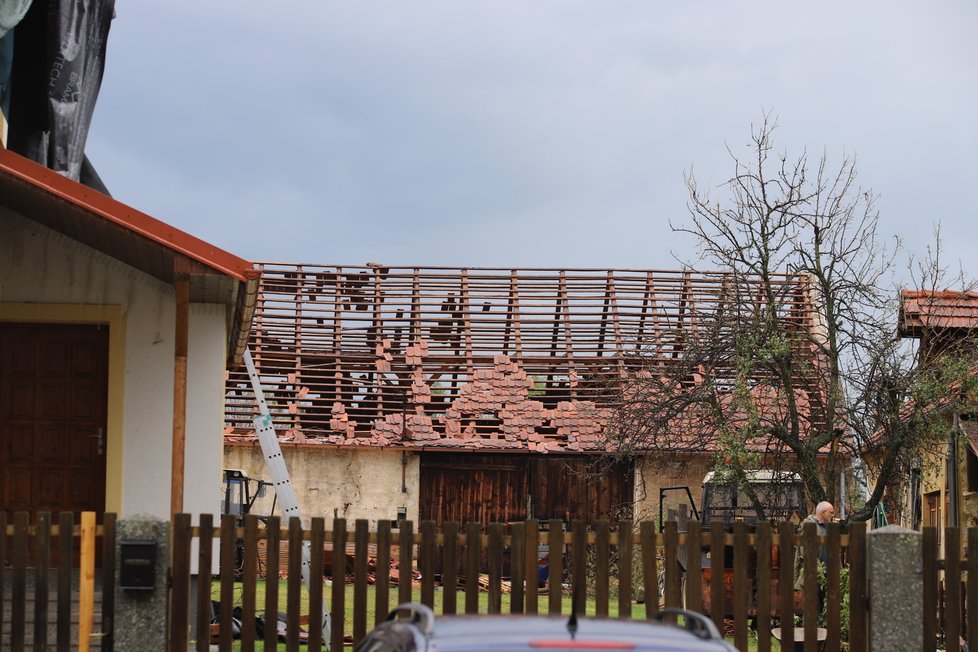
(824, 513)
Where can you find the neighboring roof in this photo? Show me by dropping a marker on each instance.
(922, 310)
(944, 315)
(528, 360)
(133, 237)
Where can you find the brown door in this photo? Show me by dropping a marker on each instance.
(53, 404)
(465, 487)
(506, 487)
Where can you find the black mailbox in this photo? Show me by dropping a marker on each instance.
(137, 565)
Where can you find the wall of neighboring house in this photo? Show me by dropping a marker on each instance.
(906, 506)
(933, 490)
(48, 277)
(968, 471)
(350, 483)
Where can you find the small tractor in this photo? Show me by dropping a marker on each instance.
(240, 495)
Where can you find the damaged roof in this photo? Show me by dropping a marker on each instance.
(528, 360)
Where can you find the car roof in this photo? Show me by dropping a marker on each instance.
(506, 632)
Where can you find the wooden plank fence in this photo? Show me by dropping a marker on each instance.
(470, 569)
(473, 569)
(45, 602)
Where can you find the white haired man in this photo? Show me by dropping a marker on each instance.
(821, 517)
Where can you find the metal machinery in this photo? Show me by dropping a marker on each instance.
(239, 499)
(783, 497)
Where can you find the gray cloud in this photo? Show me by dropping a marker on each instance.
(516, 133)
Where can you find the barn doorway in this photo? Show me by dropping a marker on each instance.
(506, 487)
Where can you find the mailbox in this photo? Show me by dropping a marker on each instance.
(137, 565)
(401, 516)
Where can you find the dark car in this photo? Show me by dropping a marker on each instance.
(421, 631)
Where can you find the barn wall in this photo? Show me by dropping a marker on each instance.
(366, 483)
(652, 473)
(489, 487)
(332, 482)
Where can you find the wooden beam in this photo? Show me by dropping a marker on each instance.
(465, 304)
(605, 310)
(297, 351)
(616, 322)
(86, 583)
(181, 337)
(568, 334)
(685, 297)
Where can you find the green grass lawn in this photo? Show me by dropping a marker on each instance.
(638, 610)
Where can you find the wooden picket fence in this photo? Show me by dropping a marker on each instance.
(51, 593)
(594, 563)
(950, 586)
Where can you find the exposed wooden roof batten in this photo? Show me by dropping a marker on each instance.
(481, 358)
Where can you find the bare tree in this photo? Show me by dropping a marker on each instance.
(798, 366)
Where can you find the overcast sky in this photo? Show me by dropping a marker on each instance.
(528, 133)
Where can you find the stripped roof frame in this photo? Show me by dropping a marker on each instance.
(526, 360)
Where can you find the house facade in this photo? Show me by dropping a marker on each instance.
(943, 489)
(115, 333)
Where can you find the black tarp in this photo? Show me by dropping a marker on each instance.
(59, 57)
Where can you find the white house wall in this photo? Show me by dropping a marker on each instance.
(205, 407)
(40, 268)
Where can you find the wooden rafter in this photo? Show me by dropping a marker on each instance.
(343, 334)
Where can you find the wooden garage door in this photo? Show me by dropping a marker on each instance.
(53, 403)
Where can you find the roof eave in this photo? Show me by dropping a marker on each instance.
(125, 216)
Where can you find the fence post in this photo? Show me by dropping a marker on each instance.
(138, 621)
(895, 578)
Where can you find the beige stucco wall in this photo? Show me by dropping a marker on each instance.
(344, 483)
(366, 483)
(652, 473)
(45, 276)
(206, 362)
